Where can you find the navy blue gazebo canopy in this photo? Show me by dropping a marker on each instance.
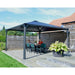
(36, 26)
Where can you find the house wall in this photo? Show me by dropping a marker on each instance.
(71, 27)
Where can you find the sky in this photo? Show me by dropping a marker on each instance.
(10, 17)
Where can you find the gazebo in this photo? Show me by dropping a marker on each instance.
(36, 26)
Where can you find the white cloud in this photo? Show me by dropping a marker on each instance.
(53, 12)
(15, 10)
(8, 24)
(0, 27)
(56, 12)
(46, 20)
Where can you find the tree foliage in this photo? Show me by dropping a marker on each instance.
(2, 35)
(15, 33)
(18, 33)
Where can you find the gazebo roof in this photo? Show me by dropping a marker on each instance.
(36, 26)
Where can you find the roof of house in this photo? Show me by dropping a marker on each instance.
(59, 22)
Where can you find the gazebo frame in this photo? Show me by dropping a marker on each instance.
(36, 26)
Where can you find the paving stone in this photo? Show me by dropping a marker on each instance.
(43, 60)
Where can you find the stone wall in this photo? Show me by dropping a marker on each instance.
(16, 42)
(51, 37)
(71, 27)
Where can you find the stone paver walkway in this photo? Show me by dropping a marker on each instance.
(44, 60)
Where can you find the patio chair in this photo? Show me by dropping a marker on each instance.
(42, 48)
(28, 46)
(32, 47)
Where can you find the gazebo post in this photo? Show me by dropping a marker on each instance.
(6, 40)
(68, 38)
(39, 35)
(24, 52)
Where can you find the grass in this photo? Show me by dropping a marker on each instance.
(7, 61)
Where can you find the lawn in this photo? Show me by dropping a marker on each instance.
(7, 61)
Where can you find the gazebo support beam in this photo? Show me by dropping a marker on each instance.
(24, 52)
(68, 38)
(6, 40)
(39, 35)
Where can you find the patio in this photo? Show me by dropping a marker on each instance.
(44, 60)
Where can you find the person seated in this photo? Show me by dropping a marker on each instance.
(40, 42)
(29, 42)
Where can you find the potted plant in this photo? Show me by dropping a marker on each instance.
(35, 42)
(58, 48)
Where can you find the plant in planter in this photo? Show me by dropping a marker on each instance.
(58, 48)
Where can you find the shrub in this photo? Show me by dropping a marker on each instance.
(2, 46)
(2, 39)
(57, 46)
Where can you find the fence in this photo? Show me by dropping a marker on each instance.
(16, 42)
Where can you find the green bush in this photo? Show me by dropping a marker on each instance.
(2, 46)
(2, 35)
(57, 46)
(2, 38)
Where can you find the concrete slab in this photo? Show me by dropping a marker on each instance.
(43, 60)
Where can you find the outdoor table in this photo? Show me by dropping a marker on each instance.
(37, 46)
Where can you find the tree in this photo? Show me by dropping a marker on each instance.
(3, 28)
(2, 35)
